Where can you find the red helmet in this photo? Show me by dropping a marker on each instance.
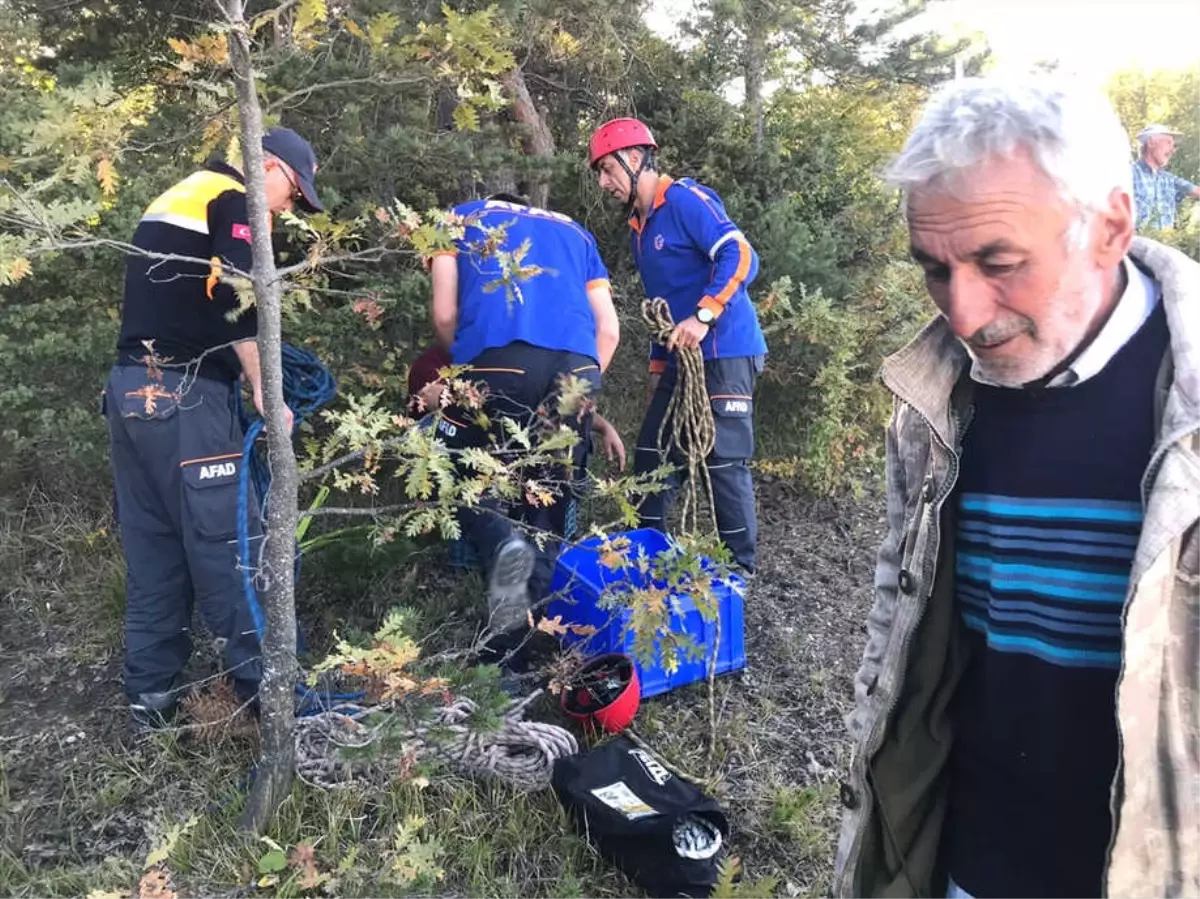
(608, 694)
(618, 134)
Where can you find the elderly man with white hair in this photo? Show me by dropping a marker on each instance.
(1156, 192)
(1026, 711)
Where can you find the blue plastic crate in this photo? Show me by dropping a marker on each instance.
(581, 580)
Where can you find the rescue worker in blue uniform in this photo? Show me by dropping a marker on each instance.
(689, 252)
(176, 440)
(520, 340)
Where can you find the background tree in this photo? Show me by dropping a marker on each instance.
(414, 107)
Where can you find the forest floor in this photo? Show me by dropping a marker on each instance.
(83, 806)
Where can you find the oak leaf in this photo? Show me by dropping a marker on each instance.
(19, 269)
(106, 174)
(552, 626)
(304, 861)
(156, 884)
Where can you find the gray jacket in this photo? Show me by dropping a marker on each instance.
(896, 794)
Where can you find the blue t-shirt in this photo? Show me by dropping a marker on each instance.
(689, 253)
(547, 306)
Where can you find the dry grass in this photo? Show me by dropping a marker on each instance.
(214, 714)
(81, 807)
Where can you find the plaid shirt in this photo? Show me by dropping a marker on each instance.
(1156, 194)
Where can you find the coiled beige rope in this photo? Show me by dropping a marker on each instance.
(692, 432)
(338, 748)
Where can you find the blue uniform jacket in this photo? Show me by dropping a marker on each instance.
(691, 254)
(549, 308)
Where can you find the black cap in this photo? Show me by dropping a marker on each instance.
(290, 147)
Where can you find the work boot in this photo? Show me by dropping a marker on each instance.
(153, 711)
(508, 585)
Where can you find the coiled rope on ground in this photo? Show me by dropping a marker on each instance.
(354, 745)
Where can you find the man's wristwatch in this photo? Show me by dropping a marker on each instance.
(705, 316)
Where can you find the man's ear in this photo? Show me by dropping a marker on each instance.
(633, 156)
(1114, 230)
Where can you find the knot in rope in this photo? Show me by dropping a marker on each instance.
(687, 424)
(520, 753)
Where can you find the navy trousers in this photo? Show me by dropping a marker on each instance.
(176, 462)
(730, 385)
(522, 379)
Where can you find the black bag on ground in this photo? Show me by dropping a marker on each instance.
(663, 832)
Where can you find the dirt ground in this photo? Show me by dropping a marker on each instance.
(76, 799)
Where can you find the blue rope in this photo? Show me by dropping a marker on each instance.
(243, 522)
(307, 386)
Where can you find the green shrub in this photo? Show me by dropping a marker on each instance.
(821, 392)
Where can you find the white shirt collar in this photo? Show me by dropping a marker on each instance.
(1138, 300)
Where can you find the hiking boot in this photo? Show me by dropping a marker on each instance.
(508, 585)
(153, 711)
(746, 574)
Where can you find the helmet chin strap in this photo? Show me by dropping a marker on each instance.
(647, 164)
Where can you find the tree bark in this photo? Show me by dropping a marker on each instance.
(754, 67)
(537, 139)
(276, 696)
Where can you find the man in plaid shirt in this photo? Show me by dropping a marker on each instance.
(1156, 192)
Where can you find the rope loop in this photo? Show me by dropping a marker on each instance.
(520, 753)
(687, 428)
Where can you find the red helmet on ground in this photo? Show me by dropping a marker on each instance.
(618, 134)
(608, 694)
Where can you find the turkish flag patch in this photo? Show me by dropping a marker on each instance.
(241, 232)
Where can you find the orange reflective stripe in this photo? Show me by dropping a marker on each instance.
(743, 269)
(660, 196)
(210, 459)
(598, 282)
(707, 201)
(214, 276)
(730, 396)
(658, 366)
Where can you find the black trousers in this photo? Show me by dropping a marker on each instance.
(730, 385)
(522, 383)
(176, 463)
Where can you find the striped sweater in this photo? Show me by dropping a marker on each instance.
(1049, 513)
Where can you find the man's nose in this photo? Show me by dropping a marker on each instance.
(971, 302)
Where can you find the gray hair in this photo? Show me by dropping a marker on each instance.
(1072, 134)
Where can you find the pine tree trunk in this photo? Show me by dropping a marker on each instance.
(275, 766)
(754, 68)
(538, 141)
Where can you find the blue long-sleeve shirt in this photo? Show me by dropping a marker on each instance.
(691, 254)
(1156, 195)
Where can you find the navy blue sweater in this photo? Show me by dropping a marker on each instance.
(1049, 512)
